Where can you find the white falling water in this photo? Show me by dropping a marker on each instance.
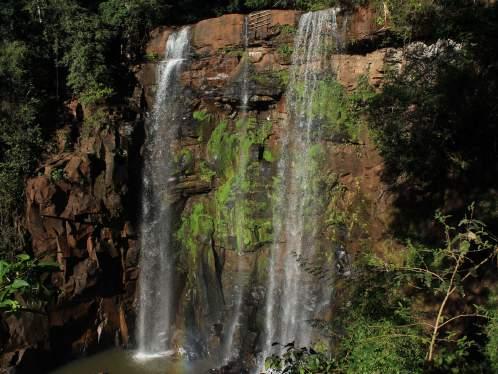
(292, 298)
(229, 349)
(156, 315)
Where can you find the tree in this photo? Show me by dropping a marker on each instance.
(445, 271)
(435, 121)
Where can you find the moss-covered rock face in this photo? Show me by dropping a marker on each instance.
(241, 201)
(222, 235)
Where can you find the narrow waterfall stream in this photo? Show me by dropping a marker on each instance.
(292, 296)
(229, 349)
(155, 315)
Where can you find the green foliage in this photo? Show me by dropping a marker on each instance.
(492, 334)
(152, 57)
(283, 77)
(130, 21)
(22, 283)
(234, 51)
(338, 112)
(206, 173)
(381, 347)
(442, 275)
(382, 328)
(286, 30)
(57, 175)
(20, 138)
(239, 222)
(285, 50)
(88, 74)
(268, 156)
(96, 120)
(201, 116)
(195, 232)
(185, 162)
(435, 122)
(307, 5)
(222, 148)
(347, 213)
(13, 69)
(272, 79)
(301, 361)
(407, 18)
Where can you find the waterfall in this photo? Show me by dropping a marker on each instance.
(229, 349)
(156, 314)
(292, 295)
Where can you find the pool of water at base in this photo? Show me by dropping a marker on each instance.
(118, 361)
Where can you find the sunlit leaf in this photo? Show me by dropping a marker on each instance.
(19, 283)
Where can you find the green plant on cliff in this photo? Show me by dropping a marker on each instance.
(207, 174)
(272, 78)
(20, 138)
(195, 231)
(285, 50)
(286, 30)
(22, 283)
(231, 149)
(339, 111)
(57, 175)
(296, 4)
(492, 332)
(201, 116)
(301, 361)
(185, 162)
(346, 213)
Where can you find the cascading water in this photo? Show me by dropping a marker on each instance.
(229, 351)
(292, 299)
(155, 315)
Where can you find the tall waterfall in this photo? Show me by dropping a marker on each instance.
(156, 314)
(229, 351)
(292, 297)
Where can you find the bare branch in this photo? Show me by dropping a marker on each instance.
(463, 316)
(421, 270)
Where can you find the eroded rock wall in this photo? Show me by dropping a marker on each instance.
(81, 212)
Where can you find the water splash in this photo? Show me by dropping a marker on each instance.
(292, 296)
(156, 316)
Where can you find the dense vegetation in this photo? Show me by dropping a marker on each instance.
(435, 125)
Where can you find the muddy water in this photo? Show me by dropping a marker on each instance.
(118, 361)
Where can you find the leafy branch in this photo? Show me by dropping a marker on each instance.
(22, 283)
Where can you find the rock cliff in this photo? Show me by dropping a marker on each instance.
(82, 207)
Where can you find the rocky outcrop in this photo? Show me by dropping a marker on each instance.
(79, 213)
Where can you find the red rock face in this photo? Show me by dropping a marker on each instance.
(76, 213)
(81, 208)
(216, 33)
